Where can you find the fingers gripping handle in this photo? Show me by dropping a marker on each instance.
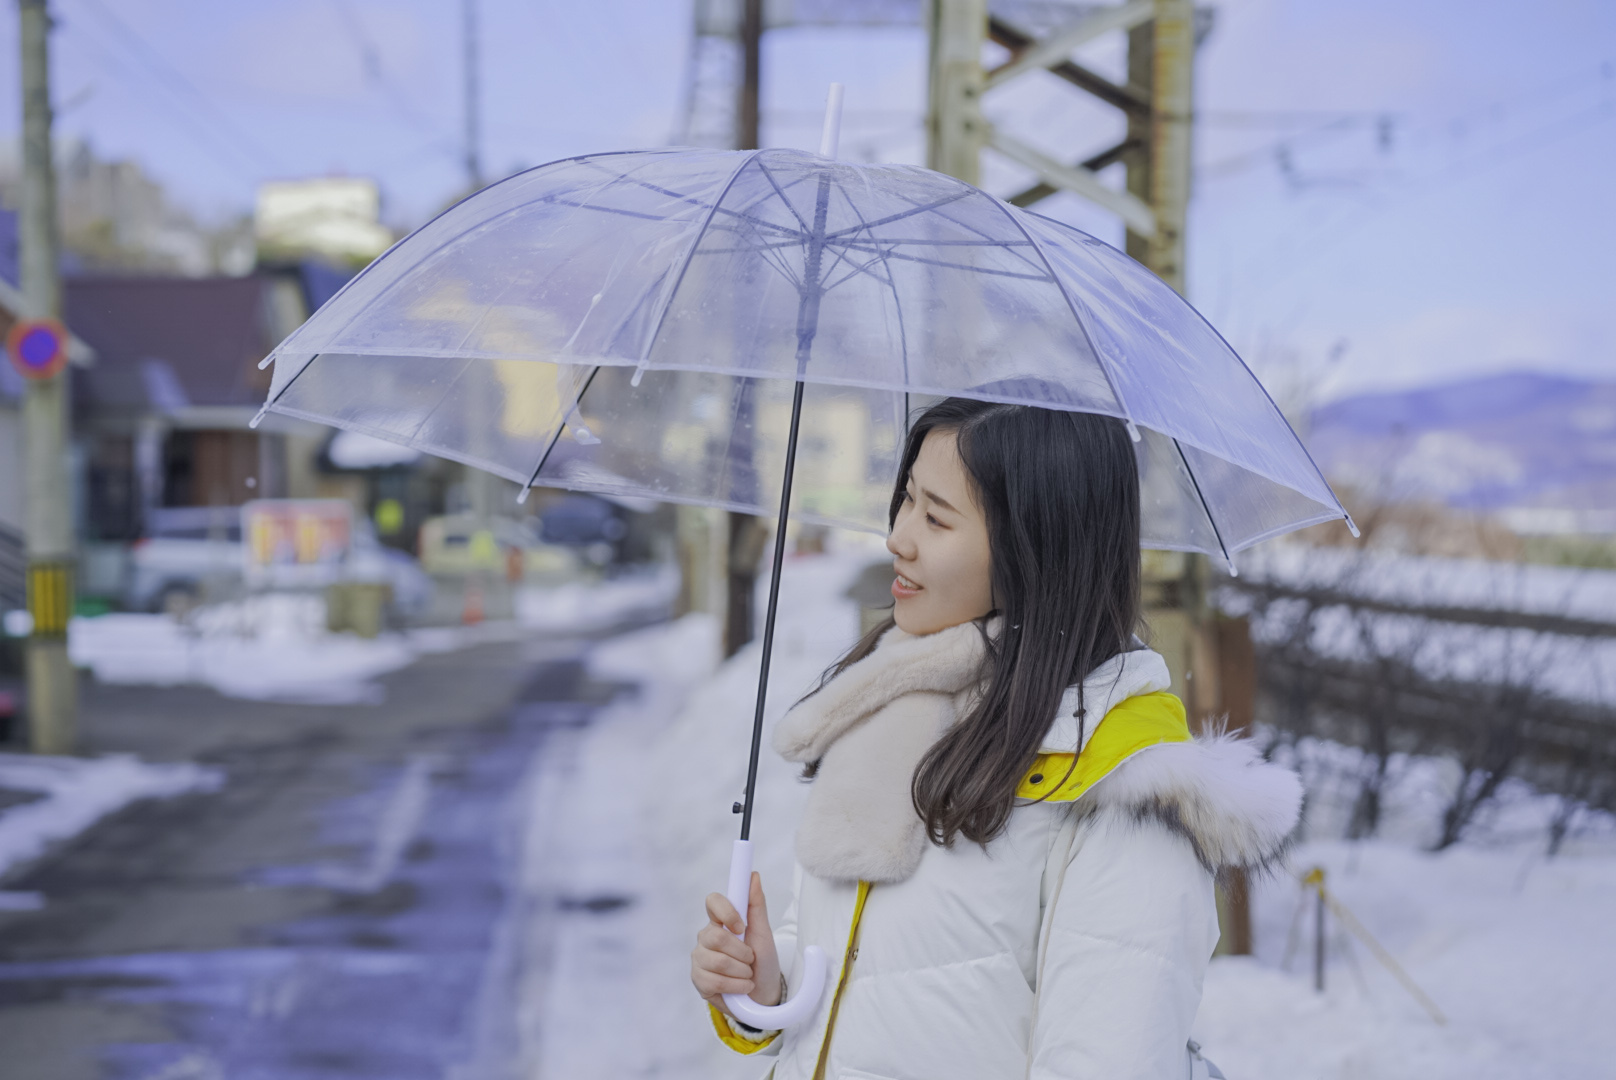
(815, 967)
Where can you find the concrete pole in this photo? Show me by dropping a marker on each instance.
(1172, 98)
(745, 536)
(1162, 56)
(473, 135)
(48, 513)
(955, 132)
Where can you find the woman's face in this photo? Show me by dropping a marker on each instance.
(939, 544)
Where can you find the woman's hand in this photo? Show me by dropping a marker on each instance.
(722, 963)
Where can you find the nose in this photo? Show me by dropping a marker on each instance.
(898, 542)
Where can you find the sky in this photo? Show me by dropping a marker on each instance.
(1388, 193)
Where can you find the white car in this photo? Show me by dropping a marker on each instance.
(191, 551)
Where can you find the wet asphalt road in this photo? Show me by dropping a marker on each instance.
(333, 910)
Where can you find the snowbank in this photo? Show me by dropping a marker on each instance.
(268, 647)
(275, 646)
(78, 792)
(1509, 945)
(580, 607)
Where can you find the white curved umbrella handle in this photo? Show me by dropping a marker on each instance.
(802, 1004)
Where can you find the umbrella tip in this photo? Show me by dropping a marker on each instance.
(266, 361)
(521, 496)
(256, 420)
(1133, 431)
(831, 135)
(1352, 526)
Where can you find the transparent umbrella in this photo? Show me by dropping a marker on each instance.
(730, 328)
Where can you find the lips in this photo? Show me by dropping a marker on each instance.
(903, 588)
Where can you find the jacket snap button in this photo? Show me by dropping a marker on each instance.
(1036, 778)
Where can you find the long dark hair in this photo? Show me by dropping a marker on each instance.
(1060, 492)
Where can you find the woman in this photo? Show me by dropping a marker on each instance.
(1011, 837)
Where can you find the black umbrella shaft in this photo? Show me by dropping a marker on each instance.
(768, 619)
(807, 327)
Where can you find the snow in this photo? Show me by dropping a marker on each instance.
(271, 647)
(351, 450)
(1566, 666)
(1509, 944)
(1417, 580)
(275, 646)
(76, 793)
(629, 827)
(580, 606)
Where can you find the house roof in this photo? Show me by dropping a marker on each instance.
(164, 343)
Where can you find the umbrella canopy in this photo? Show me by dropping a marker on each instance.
(636, 323)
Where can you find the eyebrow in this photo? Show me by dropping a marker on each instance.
(938, 499)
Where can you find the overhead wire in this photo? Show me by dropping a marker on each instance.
(375, 73)
(227, 155)
(1298, 251)
(179, 86)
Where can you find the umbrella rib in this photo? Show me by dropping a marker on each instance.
(897, 305)
(1205, 509)
(690, 253)
(557, 201)
(761, 199)
(1247, 368)
(855, 269)
(764, 169)
(760, 248)
(630, 178)
(989, 240)
(960, 266)
(561, 427)
(1071, 305)
(691, 199)
(890, 218)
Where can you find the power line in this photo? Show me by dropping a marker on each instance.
(1307, 249)
(1389, 123)
(371, 59)
(227, 155)
(180, 86)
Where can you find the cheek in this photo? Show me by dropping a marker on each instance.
(966, 567)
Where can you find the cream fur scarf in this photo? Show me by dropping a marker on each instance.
(868, 729)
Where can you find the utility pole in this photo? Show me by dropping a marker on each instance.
(746, 533)
(474, 163)
(1157, 102)
(954, 127)
(52, 691)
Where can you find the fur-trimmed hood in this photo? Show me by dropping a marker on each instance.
(869, 727)
(1216, 791)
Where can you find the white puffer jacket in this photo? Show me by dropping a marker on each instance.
(973, 964)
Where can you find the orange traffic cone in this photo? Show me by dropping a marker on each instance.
(471, 613)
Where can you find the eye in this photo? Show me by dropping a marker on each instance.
(933, 521)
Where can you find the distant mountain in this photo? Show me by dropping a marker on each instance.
(1502, 442)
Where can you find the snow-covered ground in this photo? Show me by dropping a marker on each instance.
(73, 794)
(1510, 945)
(631, 827)
(275, 646)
